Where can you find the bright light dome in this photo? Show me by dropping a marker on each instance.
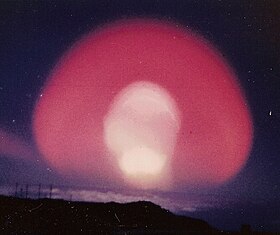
(141, 161)
(140, 130)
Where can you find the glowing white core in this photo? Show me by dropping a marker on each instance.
(142, 161)
(140, 130)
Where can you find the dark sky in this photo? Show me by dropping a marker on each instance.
(34, 34)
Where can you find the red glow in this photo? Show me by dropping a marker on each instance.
(216, 129)
(15, 147)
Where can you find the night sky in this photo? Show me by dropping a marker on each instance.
(35, 34)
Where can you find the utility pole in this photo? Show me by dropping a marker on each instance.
(51, 191)
(21, 192)
(16, 189)
(26, 191)
(39, 191)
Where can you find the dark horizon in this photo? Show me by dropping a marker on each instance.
(143, 221)
(228, 216)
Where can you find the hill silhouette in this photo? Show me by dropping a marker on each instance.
(45, 216)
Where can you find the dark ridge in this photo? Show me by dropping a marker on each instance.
(49, 216)
(56, 216)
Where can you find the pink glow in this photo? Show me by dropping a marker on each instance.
(13, 146)
(216, 128)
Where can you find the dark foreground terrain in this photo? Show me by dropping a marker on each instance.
(45, 216)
